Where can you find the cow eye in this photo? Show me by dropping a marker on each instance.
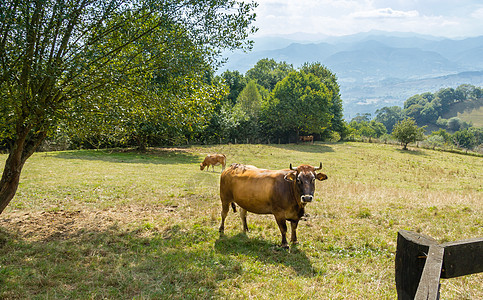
(313, 180)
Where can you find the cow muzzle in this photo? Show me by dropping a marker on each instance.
(306, 198)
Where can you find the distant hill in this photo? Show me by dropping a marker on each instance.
(377, 69)
(393, 92)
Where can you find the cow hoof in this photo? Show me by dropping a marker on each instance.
(285, 246)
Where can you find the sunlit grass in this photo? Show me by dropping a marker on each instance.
(123, 224)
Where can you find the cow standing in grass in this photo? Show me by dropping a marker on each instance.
(307, 138)
(213, 160)
(283, 193)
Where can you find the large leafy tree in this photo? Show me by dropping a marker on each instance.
(247, 110)
(389, 116)
(329, 79)
(236, 83)
(465, 139)
(65, 61)
(268, 72)
(371, 129)
(298, 103)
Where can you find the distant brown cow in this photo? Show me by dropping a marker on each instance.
(306, 138)
(213, 160)
(283, 193)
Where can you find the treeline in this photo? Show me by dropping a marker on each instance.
(273, 102)
(435, 109)
(434, 112)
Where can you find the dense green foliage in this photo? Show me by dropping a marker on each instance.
(366, 128)
(274, 102)
(113, 68)
(435, 110)
(298, 103)
(110, 69)
(406, 131)
(389, 116)
(267, 72)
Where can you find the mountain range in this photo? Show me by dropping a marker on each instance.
(376, 69)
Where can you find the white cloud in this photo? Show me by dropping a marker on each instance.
(478, 14)
(340, 17)
(384, 13)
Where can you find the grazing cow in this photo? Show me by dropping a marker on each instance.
(306, 138)
(213, 160)
(283, 193)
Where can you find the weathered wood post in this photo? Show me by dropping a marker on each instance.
(421, 262)
(462, 258)
(412, 250)
(428, 287)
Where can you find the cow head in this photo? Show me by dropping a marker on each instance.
(304, 177)
(202, 166)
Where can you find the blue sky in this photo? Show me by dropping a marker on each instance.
(453, 19)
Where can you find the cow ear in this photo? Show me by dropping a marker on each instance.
(290, 177)
(321, 176)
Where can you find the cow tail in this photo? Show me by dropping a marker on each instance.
(233, 206)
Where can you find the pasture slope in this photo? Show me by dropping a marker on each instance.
(128, 225)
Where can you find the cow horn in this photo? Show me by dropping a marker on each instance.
(295, 169)
(318, 168)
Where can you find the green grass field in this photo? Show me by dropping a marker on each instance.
(474, 116)
(129, 225)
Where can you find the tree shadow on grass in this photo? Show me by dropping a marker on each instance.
(304, 147)
(113, 263)
(150, 156)
(266, 252)
(410, 151)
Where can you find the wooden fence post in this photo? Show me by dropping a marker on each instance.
(428, 287)
(421, 262)
(411, 253)
(462, 258)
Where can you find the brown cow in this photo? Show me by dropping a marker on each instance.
(283, 193)
(306, 138)
(213, 160)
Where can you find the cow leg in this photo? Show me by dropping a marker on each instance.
(225, 207)
(293, 225)
(282, 225)
(243, 216)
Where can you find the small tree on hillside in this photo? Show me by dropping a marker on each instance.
(406, 131)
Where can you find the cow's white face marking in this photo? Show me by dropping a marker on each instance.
(306, 182)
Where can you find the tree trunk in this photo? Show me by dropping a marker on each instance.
(10, 180)
(21, 150)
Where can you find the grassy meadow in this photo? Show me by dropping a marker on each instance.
(474, 116)
(121, 224)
